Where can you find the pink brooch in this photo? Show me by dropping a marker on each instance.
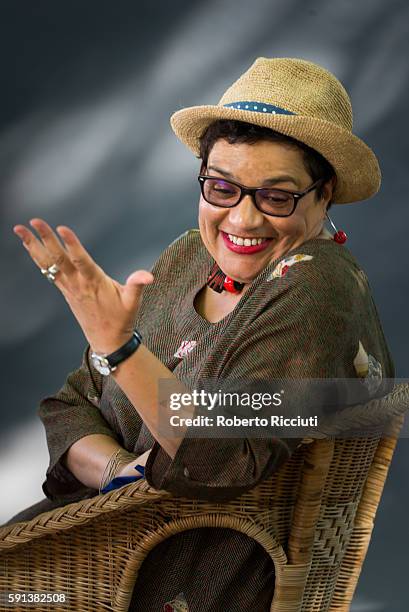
(185, 348)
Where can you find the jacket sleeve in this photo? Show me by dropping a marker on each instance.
(308, 329)
(68, 416)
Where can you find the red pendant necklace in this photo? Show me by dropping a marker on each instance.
(219, 281)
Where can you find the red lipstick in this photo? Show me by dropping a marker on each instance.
(244, 250)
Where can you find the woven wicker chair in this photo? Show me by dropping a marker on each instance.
(314, 517)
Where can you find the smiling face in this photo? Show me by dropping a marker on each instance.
(256, 165)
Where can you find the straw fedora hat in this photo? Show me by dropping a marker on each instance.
(300, 99)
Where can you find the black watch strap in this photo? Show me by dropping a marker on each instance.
(125, 350)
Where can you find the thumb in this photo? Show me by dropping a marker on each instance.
(134, 286)
(140, 277)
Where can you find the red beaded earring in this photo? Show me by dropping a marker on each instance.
(340, 237)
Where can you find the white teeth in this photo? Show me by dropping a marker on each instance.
(245, 241)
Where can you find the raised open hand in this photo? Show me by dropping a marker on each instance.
(105, 309)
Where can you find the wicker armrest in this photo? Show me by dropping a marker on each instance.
(78, 513)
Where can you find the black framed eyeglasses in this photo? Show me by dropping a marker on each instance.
(270, 201)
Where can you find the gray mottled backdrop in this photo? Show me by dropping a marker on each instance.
(87, 91)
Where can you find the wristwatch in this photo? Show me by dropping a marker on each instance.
(105, 364)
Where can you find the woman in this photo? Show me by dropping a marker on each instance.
(261, 291)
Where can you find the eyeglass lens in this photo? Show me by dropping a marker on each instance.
(223, 193)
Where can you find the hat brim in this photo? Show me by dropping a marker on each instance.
(355, 164)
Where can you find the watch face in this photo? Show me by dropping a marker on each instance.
(101, 364)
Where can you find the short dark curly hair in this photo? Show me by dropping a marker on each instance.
(241, 132)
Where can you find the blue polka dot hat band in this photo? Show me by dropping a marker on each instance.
(259, 107)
